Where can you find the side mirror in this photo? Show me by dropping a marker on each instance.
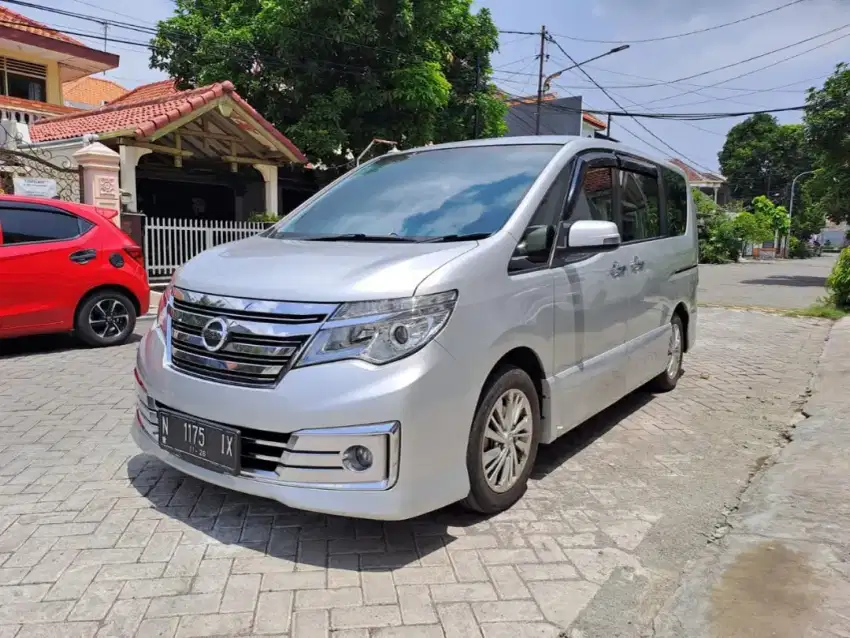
(589, 236)
(536, 243)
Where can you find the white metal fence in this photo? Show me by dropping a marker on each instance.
(169, 243)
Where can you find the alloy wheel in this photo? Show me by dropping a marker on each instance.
(109, 318)
(507, 440)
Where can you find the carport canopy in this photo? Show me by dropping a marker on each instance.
(212, 122)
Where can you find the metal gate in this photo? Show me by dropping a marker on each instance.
(39, 163)
(169, 243)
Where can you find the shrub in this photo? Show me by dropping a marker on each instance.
(838, 282)
(268, 218)
(798, 249)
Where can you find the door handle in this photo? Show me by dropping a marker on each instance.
(83, 256)
(617, 270)
(637, 264)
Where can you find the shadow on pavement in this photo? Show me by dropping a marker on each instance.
(795, 281)
(45, 344)
(551, 457)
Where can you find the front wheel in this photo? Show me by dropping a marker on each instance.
(503, 442)
(107, 318)
(668, 379)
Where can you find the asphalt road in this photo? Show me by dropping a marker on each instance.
(783, 284)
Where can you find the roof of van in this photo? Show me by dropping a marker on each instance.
(579, 143)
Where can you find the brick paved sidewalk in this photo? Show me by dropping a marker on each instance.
(99, 540)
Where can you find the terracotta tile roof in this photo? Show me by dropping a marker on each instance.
(143, 118)
(593, 120)
(14, 20)
(92, 90)
(696, 176)
(34, 106)
(146, 92)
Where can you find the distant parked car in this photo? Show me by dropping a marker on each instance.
(67, 267)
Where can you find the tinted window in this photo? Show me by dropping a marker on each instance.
(548, 213)
(639, 207)
(26, 226)
(426, 194)
(595, 200)
(676, 201)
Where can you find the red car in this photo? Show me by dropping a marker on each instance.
(67, 267)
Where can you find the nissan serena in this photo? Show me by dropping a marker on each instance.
(411, 334)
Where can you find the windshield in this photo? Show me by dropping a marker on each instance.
(426, 194)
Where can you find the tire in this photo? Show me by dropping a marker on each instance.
(106, 318)
(508, 388)
(668, 379)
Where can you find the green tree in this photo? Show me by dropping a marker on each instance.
(827, 122)
(762, 157)
(334, 75)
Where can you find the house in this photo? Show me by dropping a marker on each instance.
(712, 184)
(91, 92)
(558, 116)
(36, 61)
(197, 153)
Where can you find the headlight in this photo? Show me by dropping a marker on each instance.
(164, 309)
(380, 331)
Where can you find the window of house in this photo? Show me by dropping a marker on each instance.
(676, 202)
(24, 80)
(26, 226)
(640, 208)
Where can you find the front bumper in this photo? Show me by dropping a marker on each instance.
(414, 415)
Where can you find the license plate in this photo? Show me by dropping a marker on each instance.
(212, 446)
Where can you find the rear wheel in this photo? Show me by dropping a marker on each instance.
(106, 318)
(503, 442)
(668, 379)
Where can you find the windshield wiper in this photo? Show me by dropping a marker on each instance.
(360, 237)
(448, 238)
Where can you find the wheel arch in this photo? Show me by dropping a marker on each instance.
(137, 306)
(681, 310)
(529, 361)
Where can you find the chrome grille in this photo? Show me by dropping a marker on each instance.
(263, 337)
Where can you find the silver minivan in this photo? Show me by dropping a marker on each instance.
(410, 335)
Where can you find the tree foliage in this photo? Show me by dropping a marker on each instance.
(334, 75)
(827, 122)
(762, 157)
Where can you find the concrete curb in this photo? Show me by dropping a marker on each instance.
(779, 570)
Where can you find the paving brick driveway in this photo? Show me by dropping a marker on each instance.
(96, 539)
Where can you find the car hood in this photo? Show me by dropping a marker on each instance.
(298, 270)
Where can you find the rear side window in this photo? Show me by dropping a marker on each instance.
(27, 226)
(676, 199)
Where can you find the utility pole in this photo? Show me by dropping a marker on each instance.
(105, 37)
(540, 79)
(477, 89)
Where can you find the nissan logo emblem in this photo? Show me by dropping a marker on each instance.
(214, 334)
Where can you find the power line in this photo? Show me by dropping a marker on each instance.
(687, 33)
(614, 100)
(762, 68)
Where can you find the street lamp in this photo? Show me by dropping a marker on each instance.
(558, 74)
(791, 210)
(544, 86)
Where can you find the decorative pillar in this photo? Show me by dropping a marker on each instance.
(269, 174)
(130, 156)
(100, 177)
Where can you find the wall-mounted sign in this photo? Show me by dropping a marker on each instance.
(35, 187)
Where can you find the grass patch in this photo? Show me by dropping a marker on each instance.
(818, 311)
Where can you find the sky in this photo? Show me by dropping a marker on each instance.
(782, 84)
